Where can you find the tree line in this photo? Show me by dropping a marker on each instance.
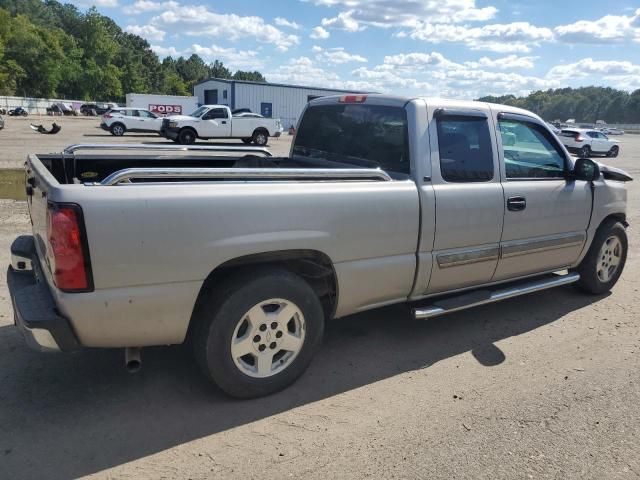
(53, 50)
(585, 105)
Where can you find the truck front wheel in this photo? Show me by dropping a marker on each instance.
(601, 268)
(186, 137)
(257, 334)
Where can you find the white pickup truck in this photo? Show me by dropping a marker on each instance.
(217, 121)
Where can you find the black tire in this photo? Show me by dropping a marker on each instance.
(187, 136)
(117, 129)
(219, 313)
(590, 280)
(584, 152)
(615, 150)
(247, 140)
(260, 137)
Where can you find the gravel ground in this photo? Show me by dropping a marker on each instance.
(17, 139)
(545, 386)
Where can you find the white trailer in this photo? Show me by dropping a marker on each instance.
(163, 104)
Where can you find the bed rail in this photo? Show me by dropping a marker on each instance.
(72, 149)
(125, 176)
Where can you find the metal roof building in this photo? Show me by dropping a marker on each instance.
(273, 100)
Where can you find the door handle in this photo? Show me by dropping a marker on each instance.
(516, 204)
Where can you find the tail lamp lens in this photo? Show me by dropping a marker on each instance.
(67, 256)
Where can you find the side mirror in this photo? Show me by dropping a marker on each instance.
(586, 169)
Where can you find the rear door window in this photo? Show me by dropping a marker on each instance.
(366, 135)
(464, 144)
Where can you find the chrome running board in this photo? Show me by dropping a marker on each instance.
(482, 297)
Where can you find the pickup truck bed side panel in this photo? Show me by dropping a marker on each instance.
(368, 229)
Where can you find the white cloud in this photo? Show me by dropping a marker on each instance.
(303, 71)
(408, 13)
(143, 6)
(509, 37)
(232, 58)
(98, 3)
(319, 33)
(337, 56)
(344, 21)
(201, 22)
(434, 74)
(283, 22)
(146, 31)
(608, 29)
(503, 63)
(588, 67)
(166, 51)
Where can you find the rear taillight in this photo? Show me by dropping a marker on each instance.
(68, 253)
(106, 115)
(353, 99)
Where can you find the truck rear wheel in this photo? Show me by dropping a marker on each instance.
(186, 136)
(261, 137)
(258, 334)
(601, 268)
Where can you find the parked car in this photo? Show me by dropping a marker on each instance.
(585, 142)
(62, 109)
(217, 121)
(120, 120)
(612, 131)
(553, 128)
(1, 122)
(93, 109)
(244, 257)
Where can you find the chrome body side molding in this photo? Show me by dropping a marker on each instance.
(476, 255)
(524, 247)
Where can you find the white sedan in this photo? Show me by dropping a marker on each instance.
(120, 120)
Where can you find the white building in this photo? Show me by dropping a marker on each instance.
(274, 100)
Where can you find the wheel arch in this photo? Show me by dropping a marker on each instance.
(314, 266)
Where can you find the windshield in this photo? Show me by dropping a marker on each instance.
(366, 135)
(199, 111)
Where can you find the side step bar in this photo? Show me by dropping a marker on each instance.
(482, 297)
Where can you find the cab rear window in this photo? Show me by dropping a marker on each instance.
(365, 135)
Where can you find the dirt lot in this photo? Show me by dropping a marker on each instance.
(545, 386)
(17, 139)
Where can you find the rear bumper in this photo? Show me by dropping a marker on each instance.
(104, 126)
(35, 312)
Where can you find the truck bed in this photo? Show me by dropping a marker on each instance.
(97, 167)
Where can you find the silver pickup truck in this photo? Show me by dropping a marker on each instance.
(382, 200)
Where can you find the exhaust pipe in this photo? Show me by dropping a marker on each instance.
(132, 359)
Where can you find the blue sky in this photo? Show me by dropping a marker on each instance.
(451, 48)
